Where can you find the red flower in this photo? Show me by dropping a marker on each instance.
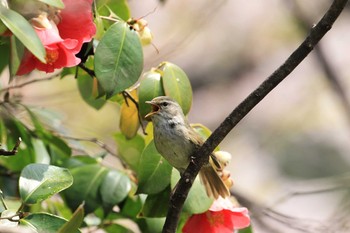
(63, 41)
(222, 217)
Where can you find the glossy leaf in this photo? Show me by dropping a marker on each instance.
(88, 87)
(44, 222)
(150, 87)
(87, 182)
(38, 182)
(197, 200)
(129, 117)
(130, 150)
(73, 224)
(21, 28)
(114, 188)
(118, 59)
(154, 171)
(156, 205)
(177, 85)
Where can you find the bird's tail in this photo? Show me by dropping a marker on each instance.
(212, 182)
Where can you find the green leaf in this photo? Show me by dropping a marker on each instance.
(40, 181)
(44, 223)
(16, 54)
(118, 7)
(177, 85)
(114, 188)
(41, 154)
(156, 205)
(132, 205)
(74, 222)
(154, 171)
(246, 230)
(25, 154)
(20, 27)
(118, 59)
(154, 225)
(4, 53)
(88, 86)
(87, 182)
(197, 200)
(58, 149)
(116, 228)
(130, 150)
(55, 3)
(79, 160)
(150, 87)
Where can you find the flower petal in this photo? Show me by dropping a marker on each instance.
(76, 22)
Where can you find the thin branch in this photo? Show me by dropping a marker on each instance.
(90, 72)
(202, 154)
(127, 96)
(13, 151)
(96, 141)
(29, 82)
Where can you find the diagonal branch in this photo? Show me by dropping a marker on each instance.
(201, 155)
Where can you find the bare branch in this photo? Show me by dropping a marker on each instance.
(201, 155)
(13, 151)
(29, 82)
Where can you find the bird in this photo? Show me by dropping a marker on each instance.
(176, 141)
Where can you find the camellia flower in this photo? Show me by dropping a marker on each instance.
(62, 34)
(222, 217)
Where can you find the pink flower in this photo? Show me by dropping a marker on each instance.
(222, 217)
(64, 41)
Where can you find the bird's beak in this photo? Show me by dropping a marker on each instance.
(155, 109)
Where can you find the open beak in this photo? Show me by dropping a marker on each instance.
(155, 109)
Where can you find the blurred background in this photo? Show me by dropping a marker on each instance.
(290, 155)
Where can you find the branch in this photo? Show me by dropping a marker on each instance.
(29, 82)
(13, 151)
(201, 155)
(127, 96)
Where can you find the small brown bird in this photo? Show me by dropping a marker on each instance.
(176, 141)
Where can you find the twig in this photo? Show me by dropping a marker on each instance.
(127, 96)
(90, 72)
(13, 151)
(202, 154)
(99, 143)
(29, 82)
(92, 140)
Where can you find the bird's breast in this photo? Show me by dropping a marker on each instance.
(173, 144)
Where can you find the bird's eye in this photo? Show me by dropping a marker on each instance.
(164, 104)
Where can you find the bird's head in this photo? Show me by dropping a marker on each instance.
(164, 107)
